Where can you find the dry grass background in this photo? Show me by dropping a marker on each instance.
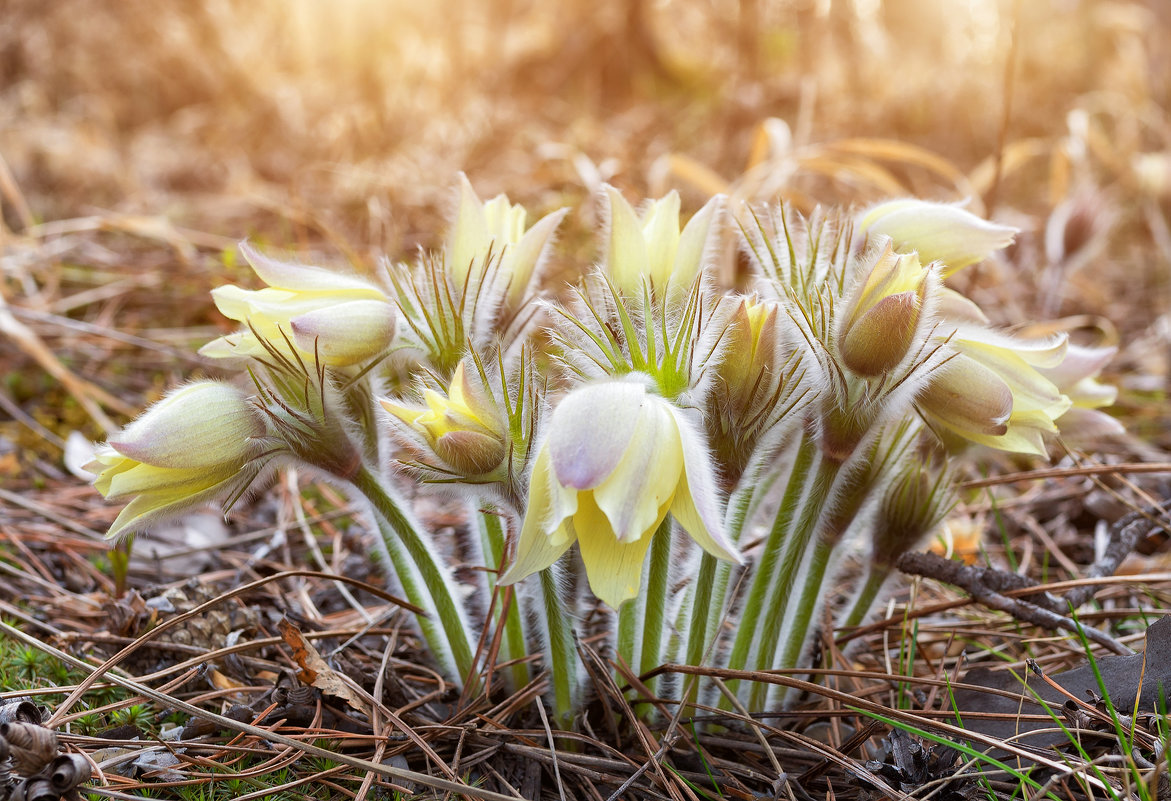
(140, 140)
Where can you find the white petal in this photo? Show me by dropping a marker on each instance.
(301, 277)
(195, 426)
(661, 235)
(636, 495)
(469, 234)
(346, 333)
(693, 244)
(534, 549)
(527, 254)
(696, 506)
(590, 430)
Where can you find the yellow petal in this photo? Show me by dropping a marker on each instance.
(614, 568)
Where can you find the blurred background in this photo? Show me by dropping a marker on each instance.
(141, 139)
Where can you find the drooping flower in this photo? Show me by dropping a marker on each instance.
(344, 319)
(942, 232)
(993, 391)
(883, 313)
(464, 428)
(615, 462)
(651, 247)
(1076, 377)
(496, 229)
(192, 447)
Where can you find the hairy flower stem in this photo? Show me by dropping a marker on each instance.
(426, 583)
(561, 653)
(763, 578)
(641, 619)
(876, 576)
(796, 534)
(504, 612)
(711, 590)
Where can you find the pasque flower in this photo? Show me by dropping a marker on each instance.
(343, 319)
(616, 460)
(464, 428)
(191, 447)
(496, 229)
(651, 247)
(942, 232)
(993, 391)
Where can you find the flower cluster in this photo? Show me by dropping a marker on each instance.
(628, 447)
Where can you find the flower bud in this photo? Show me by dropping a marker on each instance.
(464, 429)
(883, 314)
(941, 232)
(992, 391)
(187, 449)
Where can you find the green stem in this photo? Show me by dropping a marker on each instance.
(876, 577)
(655, 610)
(424, 581)
(763, 577)
(711, 589)
(505, 612)
(780, 588)
(561, 650)
(807, 604)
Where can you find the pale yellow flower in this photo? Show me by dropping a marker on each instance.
(187, 449)
(497, 228)
(650, 247)
(343, 318)
(942, 232)
(993, 391)
(616, 460)
(464, 428)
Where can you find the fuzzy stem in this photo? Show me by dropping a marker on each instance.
(711, 588)
(818, 484)
(505, 612)
(425, 582)
(655, 610)
(876, 576)
(763, 581)
(562, 651)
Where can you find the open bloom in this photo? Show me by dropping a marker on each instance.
(651, 247)
(616, 460)
(942, 232)
(191, 447)
(344, 319)
(464, 429)
(497, 229)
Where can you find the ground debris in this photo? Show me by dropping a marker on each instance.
(917, 770)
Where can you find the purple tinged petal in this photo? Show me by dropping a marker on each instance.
(637, 493)
(590, 430)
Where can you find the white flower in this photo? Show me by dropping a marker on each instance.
(344, 319)
(189, 448)
(941, 232)
(616, 460)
